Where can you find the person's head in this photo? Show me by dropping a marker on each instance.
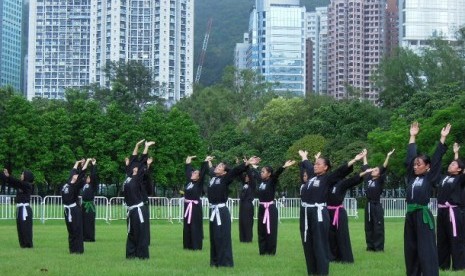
(376, 172)
(305, 176)
(195, 175)
(321, 166)
(266, 172)
(421, 164)
(27, 176)
(455, 167)
(221, 169)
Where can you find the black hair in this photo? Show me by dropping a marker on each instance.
(28, 176)
(460, 163)
(268, 169)
(426, 159)
(327, 162)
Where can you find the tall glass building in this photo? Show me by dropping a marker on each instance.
(10, 42)
(317, 32)
(277, 38)
(71, 41)
(421, 20)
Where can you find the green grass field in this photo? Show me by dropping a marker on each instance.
(50, 255)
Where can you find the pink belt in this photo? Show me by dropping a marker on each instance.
(188, 212)
(336, 214)
(451, 215)
(266, 217)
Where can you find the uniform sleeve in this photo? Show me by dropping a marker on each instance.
(411, 154)
(366, 176)
(306, 166)
(253, 178)
(236, 171)
(339, 173)
(276, 175)
(435, 168)
(188, 172)
(18, 184)
(350, 182)
(94, 181)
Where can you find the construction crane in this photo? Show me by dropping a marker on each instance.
(204, 49)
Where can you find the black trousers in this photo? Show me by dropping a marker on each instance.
(450, 247)
(267, 242)
(192, 234)
(246, 212)
(339, 238)
(374, 226)
(75, 233)
(420, 246)
(315, 241)
(220, 240)
(24, 227)
(137, 242)
(146, 213)
(88, 223)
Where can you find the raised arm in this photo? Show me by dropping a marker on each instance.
(147, 146)
(412, 149)
(388, 155)
(189, 168)
(305, 165)
(94, 174)
(358, 157)
(13, 182)
(136, 147)
(456, 151)
(436, 160)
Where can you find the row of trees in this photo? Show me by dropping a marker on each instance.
(232, 119)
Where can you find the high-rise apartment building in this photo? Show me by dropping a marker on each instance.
(277, 44)
(317, 32)
(10, 42)
(356, 45)
(71, 41)
(240, 53)
(392, 26)
(422, 20)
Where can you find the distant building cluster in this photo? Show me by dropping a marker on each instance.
(332, 50)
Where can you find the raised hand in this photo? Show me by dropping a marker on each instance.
(149, 161)
(189, 159)
(414, 128)
(317, 155)
(391, 152)
(456, 147)
(289, 163)
(6, 173)
(126, 161)
(94, 161)
(445, 130)
(303, 154)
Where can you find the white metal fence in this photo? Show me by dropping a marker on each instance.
(51, 207)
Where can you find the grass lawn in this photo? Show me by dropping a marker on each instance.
(50, 255)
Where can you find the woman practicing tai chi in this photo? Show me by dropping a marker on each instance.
(419, 237)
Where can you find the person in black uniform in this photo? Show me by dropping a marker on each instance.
(147, 183)
(24, 187)
(246, 208)
(314, 217)
(419, 236)
(137, 243)
(450, 220)
(339, 238)
(72, 208)
(267, 212)
(374, 213)
(88, 206)
(193, 217)
(220, 218)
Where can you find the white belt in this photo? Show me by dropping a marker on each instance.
(319, 211)
(70, 217)
(141, 216)
(216, 212)
(24, 209)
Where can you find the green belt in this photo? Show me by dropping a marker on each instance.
(427, 219)
(89, 206)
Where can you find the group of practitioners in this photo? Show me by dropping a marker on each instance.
(323, 220)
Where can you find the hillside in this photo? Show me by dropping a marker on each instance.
(230, 21)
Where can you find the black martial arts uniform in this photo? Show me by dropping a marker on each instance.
(314, 216)
(73, 212)
(192, 234)
(24, 214)
(137, 243)
(147, 190)
(267, 224)
(419, 238)
(450, 220)
(220, 218)
(374, 212)
(88, 206)
(246, 208)
(339, 238)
